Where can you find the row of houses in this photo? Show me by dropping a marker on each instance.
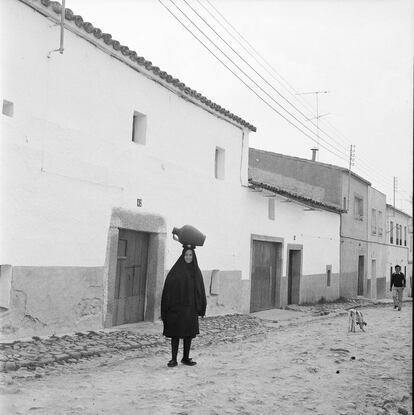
(374, 236)
(103, 153)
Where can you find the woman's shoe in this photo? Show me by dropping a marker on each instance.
(188, 362)
(172, 363)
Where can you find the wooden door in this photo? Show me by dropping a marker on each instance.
(361, 271)
(294, 272)
(131, 276)
(263, 279)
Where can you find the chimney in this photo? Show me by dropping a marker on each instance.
(314, 150)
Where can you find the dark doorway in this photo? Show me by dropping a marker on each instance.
(131, 277)
(266, 260)
(361, 272)
(294, 271)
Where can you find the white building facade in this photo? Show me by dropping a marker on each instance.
(399, 246)
(102, 151)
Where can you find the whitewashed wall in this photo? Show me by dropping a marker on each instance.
(67, 159)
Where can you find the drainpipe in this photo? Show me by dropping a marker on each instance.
(62, 31)
(62, 27)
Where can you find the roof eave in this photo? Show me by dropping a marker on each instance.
(104, 42)
(298, 198)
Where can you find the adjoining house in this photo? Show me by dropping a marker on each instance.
(105, 153)
(312, 267)
(363, 235)
(399, 231)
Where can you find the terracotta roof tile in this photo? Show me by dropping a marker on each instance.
(295, 196)
(88, 28)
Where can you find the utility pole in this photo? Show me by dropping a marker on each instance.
(351, 163)
(316, 93)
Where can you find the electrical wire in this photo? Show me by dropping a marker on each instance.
(360, 165)
(241, 70)
(361, 160)
(257, 73)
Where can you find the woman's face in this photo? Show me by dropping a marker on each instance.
(188, 256)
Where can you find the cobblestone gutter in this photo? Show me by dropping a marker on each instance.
(43, 352)
(69, 349)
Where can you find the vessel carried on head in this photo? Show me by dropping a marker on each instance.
(188, 235)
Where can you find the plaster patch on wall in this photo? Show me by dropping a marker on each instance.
(5, 285)
(47, 300)
(89, 307)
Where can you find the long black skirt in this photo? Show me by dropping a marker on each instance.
(181, 321)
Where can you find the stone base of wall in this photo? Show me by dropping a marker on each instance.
(226, 292)
(313, 288)
(369, 294)
(348, 284)
(56, 300)
(381, 288)
(48, 300)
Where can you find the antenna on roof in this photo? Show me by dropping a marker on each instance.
(316, 93)
(62, 31)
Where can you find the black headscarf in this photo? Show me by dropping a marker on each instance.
(176, 287)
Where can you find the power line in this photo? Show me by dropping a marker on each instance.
(361, 160)
(240, 79)
(360, 166)
(253, 69)
(287, 100)
(255, 83)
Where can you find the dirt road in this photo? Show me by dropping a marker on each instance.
(312, 368)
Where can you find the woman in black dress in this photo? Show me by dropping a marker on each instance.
(183, 300)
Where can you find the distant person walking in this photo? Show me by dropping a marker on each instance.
(398, 282)
(183, 301)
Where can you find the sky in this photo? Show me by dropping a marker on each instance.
(359, 51)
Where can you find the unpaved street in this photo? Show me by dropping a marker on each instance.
(291, 370)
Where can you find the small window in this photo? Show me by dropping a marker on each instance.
(8, 108)
(391, 232)
(405, 236)
(358, 208)
(397, 234)
(328, 275)
(271, 205)
(219, 163)
(374, 221)
(139, 128)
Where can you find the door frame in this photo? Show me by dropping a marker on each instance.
(293, 247)
(153, 224)
(279, 261)
(362, 284)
